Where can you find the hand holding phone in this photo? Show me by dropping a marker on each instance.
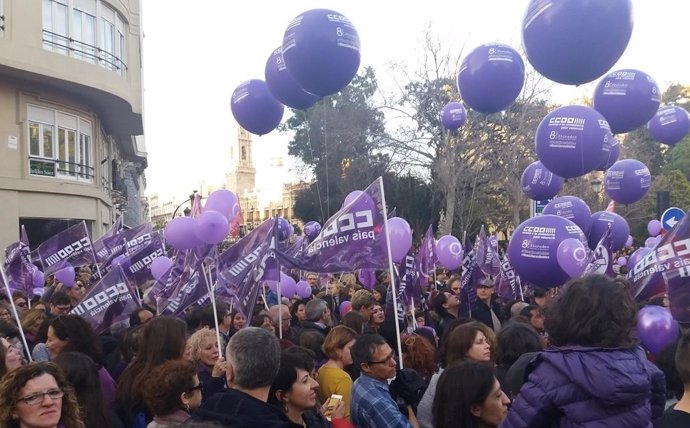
(333, 402)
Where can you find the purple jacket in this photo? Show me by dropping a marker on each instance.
(589, 387)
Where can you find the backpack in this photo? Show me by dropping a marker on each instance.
(407, 389)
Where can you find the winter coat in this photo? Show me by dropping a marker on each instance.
(589, 387)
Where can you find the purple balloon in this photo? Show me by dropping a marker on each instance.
(312, 229)
(491, 77)
(38, 279)
(638, 255)
(453, 115)
(573, 140)
(572, 208)
(656, 328)
(669, 125)
(288, 286)
(539, 183)
(534, 245)
(622, 261)
(66, 275)
(284, 229)
(650, 242)
(283, 86)
(449, 252)
(160, 265)
(612, 156)
(601, 220)
(627, 181)
(576, 41)
(321, 51)
(571, 255)
(400, 235)
(654, 227)
(179, 232)
(367, 277)
(344, 308)
(629, 242)
(225, 202)
(303, 290)
(255, 108)
(211, 227)
(627, 98)
(362, 201)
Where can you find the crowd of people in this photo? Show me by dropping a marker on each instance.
(565, 357)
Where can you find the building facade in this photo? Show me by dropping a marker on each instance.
(242, 179)
(71, 126)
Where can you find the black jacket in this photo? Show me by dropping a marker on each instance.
(482, 312)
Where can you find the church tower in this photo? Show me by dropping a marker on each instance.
(241, 179)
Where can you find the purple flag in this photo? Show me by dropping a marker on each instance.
(110, 301)
(103, 245)
(69, 246)
(18, 265)
(666, 269)
(137, 237)
(241, 267)
(426, 257)
(195, 291)
(352, 239)
(507, 282)
(138, 266)
(601, 259)
(470, 274)
(487, 258)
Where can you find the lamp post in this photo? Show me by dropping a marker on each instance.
(190, 201)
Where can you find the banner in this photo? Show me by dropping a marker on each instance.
(69, 246)
(110, 301)
(194, 292)
(426, 257)
(103, 245)
(601, 259)
(485, 254)
(351, 239)
(666, 269)
(138, 266)
(18, 266)
(507, 283)
(137, 237)
(470, 274)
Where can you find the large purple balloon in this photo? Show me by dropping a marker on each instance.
(576, 41)
(449, 252)
(539, 183)
(225, 202)
(66, 275)
(627, 98)
(534, 245)
(283, 86)
(179, 232)
(321, 51)
(669, 125)
(600, 224)
(656, 328)
(255, 108)
(573, 140)
(627, 181)
(160, 265)
(284, 229)
(211, 227)
(400, 235)
(572, 208)
(312, 229)
(453, 115)
(491, 77)
(572, 257)
(362, 201)
(612, 156)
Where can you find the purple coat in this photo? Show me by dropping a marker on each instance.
(589, 387)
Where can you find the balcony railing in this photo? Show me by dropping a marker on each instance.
(59, 168)
(85, 51)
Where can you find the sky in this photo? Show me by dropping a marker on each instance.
(196, 53)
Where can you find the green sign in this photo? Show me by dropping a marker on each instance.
(42, 167)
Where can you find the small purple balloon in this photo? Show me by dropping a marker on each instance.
(572, 208)
(622, 261)
(650, 242)
(321, 51)
(255, 108)
(38, 280)
(225, 202)
(303, 290)
(534, 246)
(491, 77)
(449, 252)
(627, 181)
(629, 242)
(573, 140)
(400, 235)
(656, 328)
(179, 233)
(601, 220)
(572, 257)
(312, 229)
(453, 116)
(283, 86)
(613, 155)
(654, 227)
(211, 227)
(576, 41)
(627, 98)
(669, 125)
(367, 277)
(66, 275)
(362, 201)
(159, 266)
(539, 183)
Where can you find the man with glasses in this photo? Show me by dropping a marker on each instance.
(60, 303)
(371, 404)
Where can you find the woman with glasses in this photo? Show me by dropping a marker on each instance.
(38, 395)
(20, 301)
(171, 391)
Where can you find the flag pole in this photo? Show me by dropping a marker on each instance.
(16, 315)
(391, 271)
(212, 294)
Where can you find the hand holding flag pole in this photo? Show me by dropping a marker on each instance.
(14, 312)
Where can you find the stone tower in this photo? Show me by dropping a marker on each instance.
(242, 178)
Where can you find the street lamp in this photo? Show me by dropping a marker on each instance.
(190, 200)
(596, 185)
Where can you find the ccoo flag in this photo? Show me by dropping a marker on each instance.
(72, 245)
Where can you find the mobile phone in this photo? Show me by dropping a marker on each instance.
(330, 406)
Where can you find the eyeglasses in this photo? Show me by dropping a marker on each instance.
(35, 399)
(389, 358)
(20, 304)
(199, 386)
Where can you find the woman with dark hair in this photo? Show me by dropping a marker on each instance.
(514, 339)
(378, 316)
(594, 375)
(379, 293)
(171, 391)
(38, 395)
(10, 358)
(298, 313)
(82, 373)
(469, 396)
(164, 338)
(354, 320)
(238, 322)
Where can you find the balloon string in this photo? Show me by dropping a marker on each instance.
(325, 145)
(474, 184)
(311, 151)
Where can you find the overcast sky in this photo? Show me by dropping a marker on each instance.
(196, 53)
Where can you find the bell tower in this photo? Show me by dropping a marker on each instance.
(242, 178)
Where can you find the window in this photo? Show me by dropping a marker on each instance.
(60, 145)
(86, 29)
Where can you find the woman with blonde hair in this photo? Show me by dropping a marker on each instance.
(332, 377)
(31, 323)
(210, 365)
